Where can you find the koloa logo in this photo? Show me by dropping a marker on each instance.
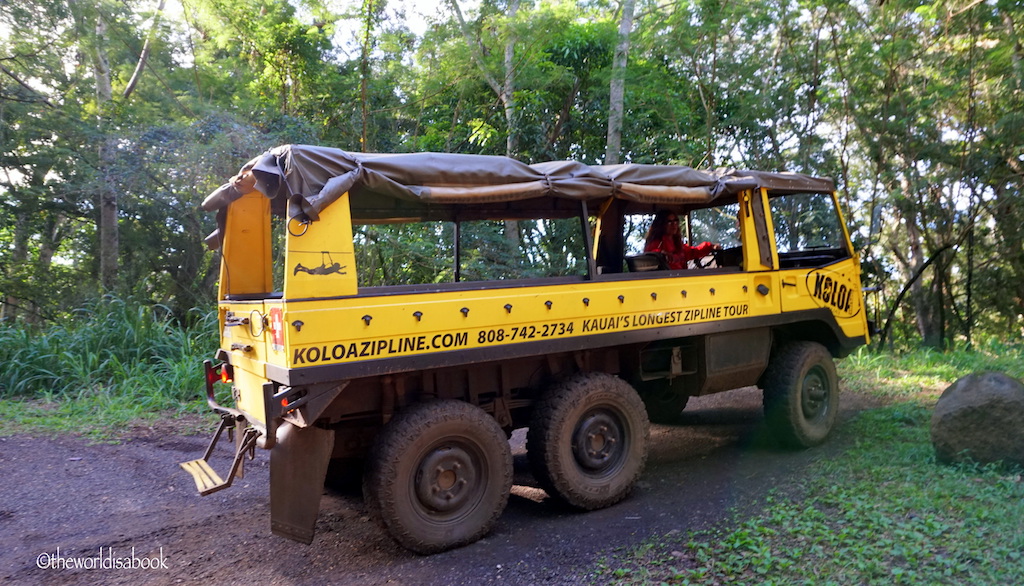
(835, 291)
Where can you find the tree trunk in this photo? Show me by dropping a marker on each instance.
(906, 288)
(617, 90)
(921, 293)
(107, 197)
(109, 239)
(100, 63)
(562, 120)
(144, 57)
(364, 72)
(508, 90)
(13, 305)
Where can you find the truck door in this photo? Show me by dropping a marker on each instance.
(817, 266)
(759, 255)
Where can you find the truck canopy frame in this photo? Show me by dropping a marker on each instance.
(303, 180)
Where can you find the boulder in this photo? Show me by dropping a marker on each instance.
(980, 417)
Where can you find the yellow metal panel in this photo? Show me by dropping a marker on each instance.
(248, 391)
(835, 287)
(320, 257)
(246, 266)
(248, 351)
(342, 331)
(745, 221)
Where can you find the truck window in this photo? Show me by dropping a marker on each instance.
(412, 253)
(716, 224)
(522, 249)
(488, 250)
(807, 230)
(635, 230)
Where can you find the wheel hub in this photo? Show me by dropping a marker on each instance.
(597, 441)
(814, 395)
(446, 479)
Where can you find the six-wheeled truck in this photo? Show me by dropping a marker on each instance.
(425, 381)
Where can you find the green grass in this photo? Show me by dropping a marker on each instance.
(882, 512)
(112, 365)
(925, 373)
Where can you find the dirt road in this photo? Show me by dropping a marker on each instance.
(69, 505)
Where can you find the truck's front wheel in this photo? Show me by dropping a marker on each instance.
(438, 475)
(801, 394)
(587, 443)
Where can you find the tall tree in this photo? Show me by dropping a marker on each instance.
(503, 83)
(617, 88)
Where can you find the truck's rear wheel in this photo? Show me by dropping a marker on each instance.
(587, 443)
(801, 394)
(662, 400)
(438, 475)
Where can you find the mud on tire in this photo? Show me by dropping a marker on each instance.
(438, 475)
(587, 442)
(801, 394)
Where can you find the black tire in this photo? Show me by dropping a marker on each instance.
(587, 442)
(345, 475)
(801, 394)
(438, 475)
(662, 400)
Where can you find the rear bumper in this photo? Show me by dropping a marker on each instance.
(267, 429)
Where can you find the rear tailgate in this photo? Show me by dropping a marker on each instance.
(244, 341)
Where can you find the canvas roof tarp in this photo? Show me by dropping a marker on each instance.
(445, 186)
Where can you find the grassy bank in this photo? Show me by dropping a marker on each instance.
(882, 512)
(111, 365)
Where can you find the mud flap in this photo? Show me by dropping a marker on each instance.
(298, 467)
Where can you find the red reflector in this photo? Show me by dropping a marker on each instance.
(284, 402)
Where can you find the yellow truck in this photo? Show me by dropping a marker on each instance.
(425, 381)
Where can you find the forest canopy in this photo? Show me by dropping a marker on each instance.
(117, 117)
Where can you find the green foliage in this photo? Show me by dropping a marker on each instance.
(404, 254)
(882, 512)
(914, 107)
(111, 362)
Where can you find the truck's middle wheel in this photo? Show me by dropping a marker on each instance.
(663, 401)
(438, 475)
(587, 443)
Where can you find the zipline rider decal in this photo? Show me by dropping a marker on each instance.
(327, 265)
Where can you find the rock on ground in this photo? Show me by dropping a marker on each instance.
(980, 417)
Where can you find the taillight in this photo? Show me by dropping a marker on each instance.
(223, 373)
(227, 373)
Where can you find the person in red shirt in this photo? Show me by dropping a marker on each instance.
(664, 237)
